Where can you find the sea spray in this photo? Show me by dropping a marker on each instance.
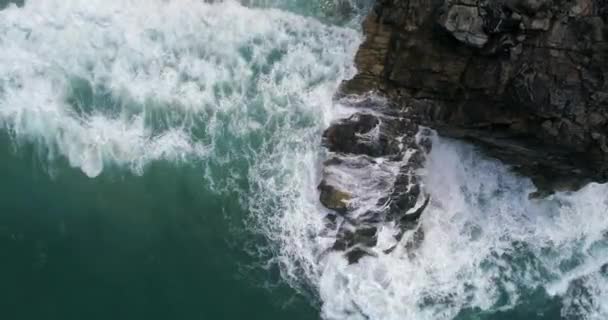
(126, 83)
(246, 93)
(486, 246)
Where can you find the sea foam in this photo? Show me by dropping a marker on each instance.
(125, 83)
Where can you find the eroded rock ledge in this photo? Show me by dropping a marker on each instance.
(525, 79)
(373, 178)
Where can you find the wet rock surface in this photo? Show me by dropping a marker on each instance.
(372, 178)
(527, 80)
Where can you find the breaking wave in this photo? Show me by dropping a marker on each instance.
(247, 91)
(487, 247)
(124, 83)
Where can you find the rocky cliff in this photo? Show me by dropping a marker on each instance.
(525, 79)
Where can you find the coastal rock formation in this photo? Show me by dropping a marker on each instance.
(373, 177)
(525, 79)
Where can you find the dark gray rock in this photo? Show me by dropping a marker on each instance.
(333, 198)
(372, 177)
(465, 23)
(525, 79)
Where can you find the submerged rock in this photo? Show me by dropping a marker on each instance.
(333, 198)
(365, 134)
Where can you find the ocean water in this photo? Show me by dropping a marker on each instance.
(160, 161)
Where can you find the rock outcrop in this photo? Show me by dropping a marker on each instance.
(525, 79)
(373, 177)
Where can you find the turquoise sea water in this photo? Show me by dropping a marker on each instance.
(160, 161)
(158, 246)
(162, 230)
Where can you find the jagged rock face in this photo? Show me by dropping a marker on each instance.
(462, 21)
(526, 79)
(372, 178)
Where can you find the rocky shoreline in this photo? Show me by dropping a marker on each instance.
(373, 176)
(526, 80)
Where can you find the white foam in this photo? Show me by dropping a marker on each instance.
(209, 68)
(484, 241)
(198, 64)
